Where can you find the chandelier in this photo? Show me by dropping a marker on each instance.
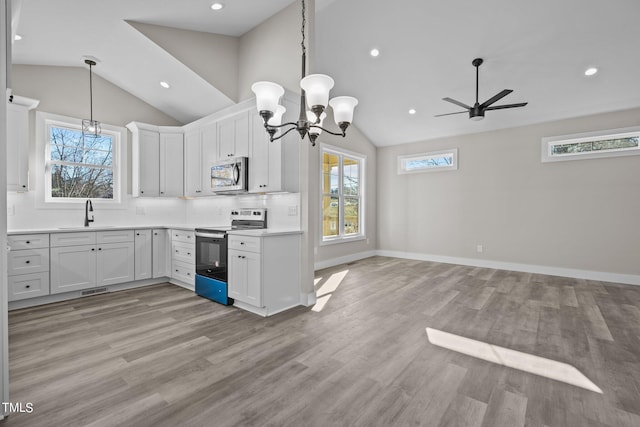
(90, 126)
(314, 95)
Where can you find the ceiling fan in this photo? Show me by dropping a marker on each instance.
(477, 111)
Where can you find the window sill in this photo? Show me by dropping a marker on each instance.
(347, 239)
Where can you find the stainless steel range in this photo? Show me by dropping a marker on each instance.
(211, 253)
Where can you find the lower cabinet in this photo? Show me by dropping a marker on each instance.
(264, 272)
(28, 266)
(183, 258)
(161, 260)
(143, 255)
(95, 264)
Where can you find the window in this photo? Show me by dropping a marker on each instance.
(77, 168)
(342, 190)
(427, 162)
(608, 143)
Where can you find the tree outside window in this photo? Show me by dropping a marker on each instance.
(341, 195)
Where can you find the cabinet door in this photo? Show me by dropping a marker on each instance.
(265, 164)
(148, 164)
(73, 268)
(160, 253)
(171, 165)
(209, 154)
(233, 136)
(143, 254)
(245, 277)
(115, 263)
(17, 147)
(193, 162)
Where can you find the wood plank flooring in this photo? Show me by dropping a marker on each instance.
(161, 356)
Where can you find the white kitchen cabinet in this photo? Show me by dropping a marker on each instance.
(183, 258)
(160, 253)
(73, 268)
(193, 163)
(171, 165)
(245, 281)
(28, 266)
(157, 155)
(106, 258)
(18, 142)
(233, 136)
(264, 272)
(115, 263)
(273, 166)
(143, 254)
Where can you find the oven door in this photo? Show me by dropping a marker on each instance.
(211, 255)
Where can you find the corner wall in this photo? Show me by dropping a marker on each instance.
(574, 216)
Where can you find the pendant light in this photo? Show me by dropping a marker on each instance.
(314, 96)
(90, 127)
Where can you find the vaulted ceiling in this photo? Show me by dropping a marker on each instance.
(539, 49)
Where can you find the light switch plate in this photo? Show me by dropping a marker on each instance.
(293, 210)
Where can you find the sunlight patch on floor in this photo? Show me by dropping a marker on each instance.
(537, 365)
(326, 289)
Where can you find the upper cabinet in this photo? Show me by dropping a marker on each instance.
(18, 142)
(233, 136)
(157, 161)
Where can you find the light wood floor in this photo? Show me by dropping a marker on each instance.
(161, 356)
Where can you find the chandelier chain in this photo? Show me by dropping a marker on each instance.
(304, 21)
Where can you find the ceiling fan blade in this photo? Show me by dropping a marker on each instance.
(496, 98)
(453, 101)
(448, 114)
(500, 107)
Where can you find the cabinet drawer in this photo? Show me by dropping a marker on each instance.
(28, 241)
(244, 243)
(184, 272)
(28, 261)
(183, 252)
(28, 286)
(72, 239)
(119, 236)
(183, 236)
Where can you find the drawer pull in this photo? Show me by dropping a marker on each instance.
(27, 242)
(99, 249)
(28, 261)
(93, 249)
(242, 243)
(188, 253)
(28, 286)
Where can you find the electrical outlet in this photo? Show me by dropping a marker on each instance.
(479, 249)
(293, 210)
(139, 210)
(11, 210)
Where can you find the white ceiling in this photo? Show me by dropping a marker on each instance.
(539, 49)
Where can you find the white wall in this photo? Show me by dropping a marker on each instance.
(568, 215)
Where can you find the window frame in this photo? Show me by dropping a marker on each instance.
(361, 158)
(432, 154)
(44, 122)
(548, 142)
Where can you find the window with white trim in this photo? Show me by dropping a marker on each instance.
(428, 162)
(79, 167)
(608, 143)
(342, 188)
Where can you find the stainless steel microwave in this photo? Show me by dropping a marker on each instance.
(230, 176)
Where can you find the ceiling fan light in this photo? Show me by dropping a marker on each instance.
(276, 120)
(316, 88)
(343, 107)
(476, 118)
(267, 95)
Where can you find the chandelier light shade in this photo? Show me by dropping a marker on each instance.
(90, 127)
(314, 96)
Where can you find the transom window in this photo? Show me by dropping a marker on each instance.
(609, 143)
(342, 194)
(426, 162)
(76, 167)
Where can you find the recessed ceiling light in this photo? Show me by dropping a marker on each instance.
(374, 52)
(217, 6)
(590, 71)
(412, 111)
(17, 37)
(165, 85)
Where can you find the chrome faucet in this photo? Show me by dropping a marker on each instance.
(88, 207)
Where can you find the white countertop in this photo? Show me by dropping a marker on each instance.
(189, 227)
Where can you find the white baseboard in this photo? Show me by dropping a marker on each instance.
(344, 259)
(603, 276)
(308, 299)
